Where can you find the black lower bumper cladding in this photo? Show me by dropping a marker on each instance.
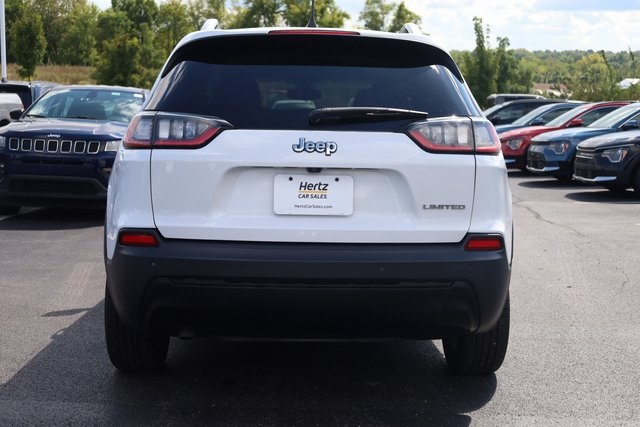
(308, 290)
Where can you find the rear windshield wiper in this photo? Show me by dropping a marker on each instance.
(362, 114)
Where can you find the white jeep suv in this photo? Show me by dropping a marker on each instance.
(309, 183)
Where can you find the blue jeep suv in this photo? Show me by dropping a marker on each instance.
(61, 150)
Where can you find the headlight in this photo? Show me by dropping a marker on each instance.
(514, 144)
(615, 155)
(112, 145)
(559, 147)
(2, 143)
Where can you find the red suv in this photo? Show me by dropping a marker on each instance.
(515, 143)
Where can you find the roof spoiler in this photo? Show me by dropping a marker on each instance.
(410, 28)
(210, 24)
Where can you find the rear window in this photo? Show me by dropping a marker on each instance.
(24, 92)
(275, 81)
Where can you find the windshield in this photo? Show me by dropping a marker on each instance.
(492, 109)
(524, 120)
(88, 103)
(616, 117)
(564, 118)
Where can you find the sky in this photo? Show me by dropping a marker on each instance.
(612, 25)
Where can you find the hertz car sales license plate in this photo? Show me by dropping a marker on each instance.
(313, 195)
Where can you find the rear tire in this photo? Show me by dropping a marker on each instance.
(479, 353)
(9, 210)
(132, 349)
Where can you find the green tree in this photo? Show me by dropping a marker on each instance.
(523, 80)
(382, 16)
(13, 9)
(296, 13)
(28, 43)
(139, 12)
(77, 43)
(505, 66)
(127, 53)
(259, 13)
(173, 24)
(110, 23)
(199, 11)
(478, 66)
(375, 14)
(53, 14)
(592, 79)
(118, 63)
(403, 16)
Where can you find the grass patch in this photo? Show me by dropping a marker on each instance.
(64, 74)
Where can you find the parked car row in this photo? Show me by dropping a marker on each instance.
(597, 143)
(61, 149)
(507, 112)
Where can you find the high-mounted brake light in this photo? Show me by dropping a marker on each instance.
(484, 243)
(164, 130)
(136, 238)
(456, 135)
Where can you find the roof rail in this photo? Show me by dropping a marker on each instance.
(210, 24)
(410, 28)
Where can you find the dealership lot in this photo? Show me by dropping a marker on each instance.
(573, 357)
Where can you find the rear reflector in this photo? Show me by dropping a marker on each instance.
(484, 243)
(129, 238)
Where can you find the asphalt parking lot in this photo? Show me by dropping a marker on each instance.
(573, 357)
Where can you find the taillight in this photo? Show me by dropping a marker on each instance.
(484, 243)
(164, 130)
(137, 238)
(456, 135)
(139, 133)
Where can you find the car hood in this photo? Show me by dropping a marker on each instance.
(506, 128)
(612, 140)
(572, 134)
(59, 128)
(528, 131)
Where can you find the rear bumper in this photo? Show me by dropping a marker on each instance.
(301, 290)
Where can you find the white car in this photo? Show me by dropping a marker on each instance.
(381, 211)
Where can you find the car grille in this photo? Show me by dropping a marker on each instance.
(55, 146)
(585, 158)
(535, 160)
(585, 165)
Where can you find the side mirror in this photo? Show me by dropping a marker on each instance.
(15, 114)
(574, 123)
(539, 121)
